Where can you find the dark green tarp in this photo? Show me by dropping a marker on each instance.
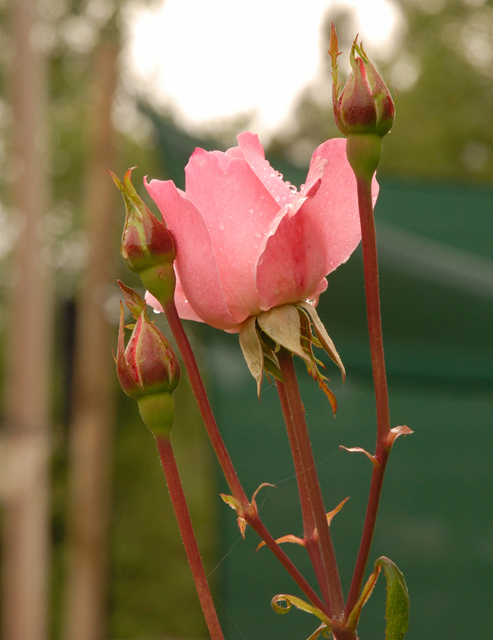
(436, 519)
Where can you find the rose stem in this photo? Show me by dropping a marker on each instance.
(250, 515)
(185, 525)
(370, 264)
(309, 535)
(290, 382)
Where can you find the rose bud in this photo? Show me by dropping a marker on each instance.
(364, 110)
(148, 247)
(365, 104)
(147, 368)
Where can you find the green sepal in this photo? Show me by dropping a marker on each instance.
(290, 327)
(252, 350)
(322, 335)
(133, 301)
(282, 324)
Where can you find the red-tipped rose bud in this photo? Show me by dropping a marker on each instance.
(148, 246)
(147, 368)
(364, 107)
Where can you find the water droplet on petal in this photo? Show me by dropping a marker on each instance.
(221, 226)
(258, 234)
(250, 210)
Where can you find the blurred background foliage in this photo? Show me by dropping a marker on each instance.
(442, 66)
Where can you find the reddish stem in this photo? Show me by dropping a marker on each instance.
(370, 265)
(203, 402)
(309, 528)
(258, 526)
(185, 524)
(310, 472)
(370, 262)
(250, 515)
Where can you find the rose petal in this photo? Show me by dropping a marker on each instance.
(334, 208)
(237, 210)
(253, 153)
(320, 236)
(291, 267)
(195, 263)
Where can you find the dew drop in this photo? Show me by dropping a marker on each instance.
(221, 226)
(258, 234)
(250, 210)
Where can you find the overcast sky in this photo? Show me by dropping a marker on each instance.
(216, 58)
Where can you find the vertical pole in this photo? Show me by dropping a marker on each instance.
(26, 514)
(91, 428)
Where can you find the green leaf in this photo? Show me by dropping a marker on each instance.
(397, 606)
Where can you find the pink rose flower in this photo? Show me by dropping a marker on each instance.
(246, 240)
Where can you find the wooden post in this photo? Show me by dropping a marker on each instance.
(91, 429)
(26, 509)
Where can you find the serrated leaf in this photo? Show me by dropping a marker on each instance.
(397, 606)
